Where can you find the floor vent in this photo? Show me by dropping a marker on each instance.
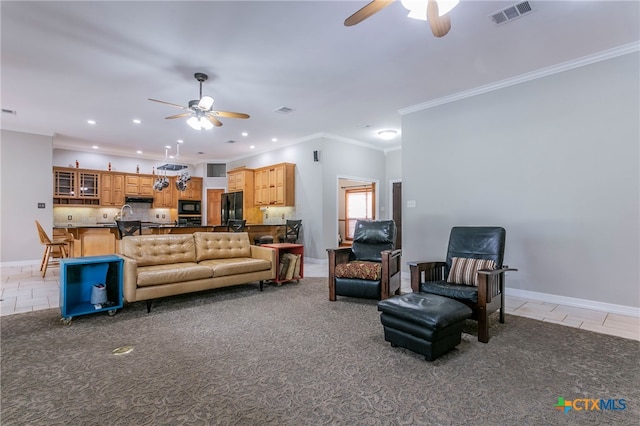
(510, 13)
(283, 110)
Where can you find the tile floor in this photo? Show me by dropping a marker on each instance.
(22, 289)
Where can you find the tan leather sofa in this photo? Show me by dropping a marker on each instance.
(165, 265)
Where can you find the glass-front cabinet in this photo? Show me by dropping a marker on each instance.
(72, 186)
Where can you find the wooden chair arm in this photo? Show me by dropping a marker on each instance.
(425, 271)
(491, 284)
(336, 257)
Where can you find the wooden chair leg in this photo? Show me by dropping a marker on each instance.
(44, 257)
(483, 325)
(47, 253)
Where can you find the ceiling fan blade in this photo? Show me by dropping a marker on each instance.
(184, 114)
(374, 7)
(214, 120)
(440, 25)
(229, 114)
(169, 103)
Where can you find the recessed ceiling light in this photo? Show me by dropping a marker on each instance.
(274, 139)
(252, 147)
(180, 141)
(387, 135)
(138, 152)
(91, 121)
(136, 121)
(95, 147)
(167, 146)
(245, 134)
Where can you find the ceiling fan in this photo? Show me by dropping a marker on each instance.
(436, 12)
(200, 112)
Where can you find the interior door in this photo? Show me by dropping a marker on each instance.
(214, 197)
(397, 211)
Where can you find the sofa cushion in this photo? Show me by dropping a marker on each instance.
(359, 269)
(464, 270)
(243, 265)
(159, 249)
(175, 273)
(221, 245)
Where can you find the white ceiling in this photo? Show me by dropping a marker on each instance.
(66, 62)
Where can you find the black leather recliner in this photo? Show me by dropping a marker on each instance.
(370, 268)
(468, 242)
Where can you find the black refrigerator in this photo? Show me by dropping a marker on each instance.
(231, 206)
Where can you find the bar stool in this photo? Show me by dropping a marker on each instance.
(50, 246)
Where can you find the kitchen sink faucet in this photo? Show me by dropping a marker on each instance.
(122, 211)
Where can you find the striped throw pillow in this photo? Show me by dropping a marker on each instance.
(465, 270)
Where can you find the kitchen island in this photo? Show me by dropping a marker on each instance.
(102, 238)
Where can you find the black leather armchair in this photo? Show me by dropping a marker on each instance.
(484, 243)
(370, 268)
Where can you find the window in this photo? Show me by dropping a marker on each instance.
(359, 204)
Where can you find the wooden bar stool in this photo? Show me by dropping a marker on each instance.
(50, 246)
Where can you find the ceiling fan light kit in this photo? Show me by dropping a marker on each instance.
(199, 111)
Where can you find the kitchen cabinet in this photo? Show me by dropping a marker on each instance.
(167, 197)
(261, 187)
(112, 189)
(239, 179)
(193, 191)
(74, 186)
(277, 185)
(139, 185)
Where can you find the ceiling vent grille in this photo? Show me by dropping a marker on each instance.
(9, 111)
(283, 110)
(510, 13)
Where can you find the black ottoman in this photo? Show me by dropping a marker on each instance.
(428, 324)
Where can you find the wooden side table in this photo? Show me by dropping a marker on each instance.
(282, 248)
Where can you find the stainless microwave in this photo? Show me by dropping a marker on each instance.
(189, 207)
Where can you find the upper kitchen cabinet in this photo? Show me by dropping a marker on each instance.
(240, 179)
(138, 185)
(111, 189)
(74, 186)
(275, 185)
(167, 197)
(193, 191)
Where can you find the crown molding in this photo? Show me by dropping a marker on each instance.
(544, 72)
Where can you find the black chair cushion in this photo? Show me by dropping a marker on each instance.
(456, 291)
(372, 237)
(353, 287)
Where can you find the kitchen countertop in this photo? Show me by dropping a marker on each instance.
(153, 225)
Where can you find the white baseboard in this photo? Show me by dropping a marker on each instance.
(20, 263)
(575, 302)
(566, 301)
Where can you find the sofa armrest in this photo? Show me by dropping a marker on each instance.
(266, 253)
(425, 271)
(129, 278)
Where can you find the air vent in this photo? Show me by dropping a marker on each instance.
(283, 110)
(510, 13)
(231, 141)
(9, 111)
